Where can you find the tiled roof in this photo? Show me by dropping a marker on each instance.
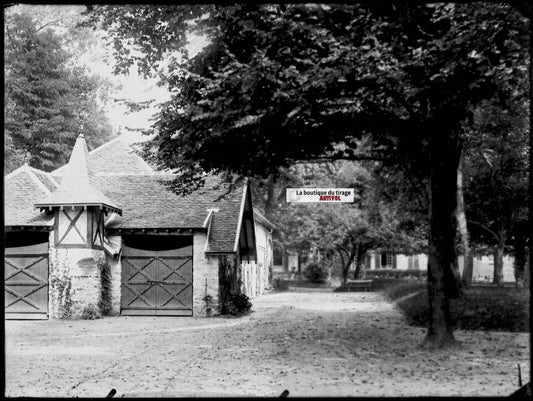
(145, 200)
(116, 157)
(147, 203)
(77, 186)
(225, 222)
(48, 181)
(22, 190)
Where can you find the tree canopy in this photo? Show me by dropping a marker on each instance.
(283, 83)
(47, 95)
(308, 75)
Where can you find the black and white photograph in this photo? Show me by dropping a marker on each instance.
(278, 200)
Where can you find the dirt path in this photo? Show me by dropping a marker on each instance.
(316, 343)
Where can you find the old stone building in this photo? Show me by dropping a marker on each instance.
(105, 234)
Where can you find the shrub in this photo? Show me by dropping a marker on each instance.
(242, 303)
(279, 284)
(502, 309)
(396, 273)
(399, 289)
(90, 312)
(235, 304)
(316, 272)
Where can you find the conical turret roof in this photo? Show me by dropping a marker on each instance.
(76, 188)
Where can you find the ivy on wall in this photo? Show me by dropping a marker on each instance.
(61, 284)
(105, 303)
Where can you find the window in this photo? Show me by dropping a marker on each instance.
(387, 260)
(412, 262)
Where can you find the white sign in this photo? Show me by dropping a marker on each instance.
(333, 195)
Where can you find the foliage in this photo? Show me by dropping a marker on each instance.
(105, 306)
(235, 304)
(496, 172)
(90, 312)
(349, 230)
(316, 272)
(276, 74)
(279, 284)
(46, 95)
(399, 289)
(497, 169)
(62, 286)
(281, 83)
(502, 309)
(396, 273)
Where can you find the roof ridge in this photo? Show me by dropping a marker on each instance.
(104, 145)
(120, 138)
(241, 212)
(16, 171)
(47, 174)
(28, 169)
(95, 150)
(124, 173)
(37, 180)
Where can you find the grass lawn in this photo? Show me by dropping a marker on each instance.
(481, 308)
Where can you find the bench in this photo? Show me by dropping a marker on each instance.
(359, 284)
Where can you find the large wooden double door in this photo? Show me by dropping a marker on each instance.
(157, 281)
(26, 282)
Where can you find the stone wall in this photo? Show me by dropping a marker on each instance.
(205, 272)
(264, 256)
(74, 281)
(116, 277)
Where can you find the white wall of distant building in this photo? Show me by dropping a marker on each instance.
(483, 265)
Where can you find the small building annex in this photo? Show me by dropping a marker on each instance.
(104, 233)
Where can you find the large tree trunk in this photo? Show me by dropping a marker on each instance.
(285, 261)
(442, 284)
(497, 277)
(270, 200)
(468, 265)
(359, 262)
(356, 258)
(345, 267)
(350, 256)
(520, 256)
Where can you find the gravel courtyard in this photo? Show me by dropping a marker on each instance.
(310, 343)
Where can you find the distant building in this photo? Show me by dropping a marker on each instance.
(483, 265)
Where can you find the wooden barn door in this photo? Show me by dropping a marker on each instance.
(157, 282)
(26, 282)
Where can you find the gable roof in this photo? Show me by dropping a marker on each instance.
(76, 186)
(225, 226)
(114, 157)
(261, 219)
(23, 187)
(148, 203)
